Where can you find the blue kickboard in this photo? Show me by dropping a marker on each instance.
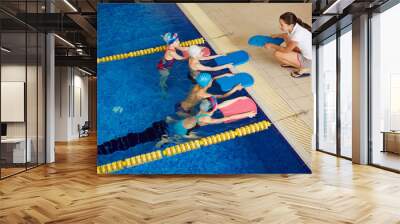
(236, 57)
(228, 82)
(260, 41)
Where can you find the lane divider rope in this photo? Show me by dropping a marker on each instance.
(184, 147)
(217, 138)
(146, 51)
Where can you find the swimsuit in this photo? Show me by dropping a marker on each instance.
(179, 129)
(165, 64)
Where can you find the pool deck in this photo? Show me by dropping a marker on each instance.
(287, 101)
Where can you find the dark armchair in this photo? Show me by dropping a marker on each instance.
(84, 129)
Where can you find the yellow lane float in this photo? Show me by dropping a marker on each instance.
(146, 51)
(183, 147)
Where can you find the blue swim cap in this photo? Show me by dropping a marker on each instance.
(170, 38)
(203, 79)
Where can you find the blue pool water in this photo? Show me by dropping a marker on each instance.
(130, 100)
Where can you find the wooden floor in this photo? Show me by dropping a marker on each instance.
(11, 170)
(69, 191)
(387, 159)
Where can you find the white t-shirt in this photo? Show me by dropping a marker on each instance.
(303, 37)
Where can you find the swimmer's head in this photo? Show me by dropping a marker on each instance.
(208, 104)
(203, 79)
(205, 105)
(170, 38)
(205, 51)
(195, 51)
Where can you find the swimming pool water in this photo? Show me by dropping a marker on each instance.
(130, 100)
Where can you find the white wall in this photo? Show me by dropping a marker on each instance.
(80, 83)
(13, 100)
(70, 83)
(61, 103)
(12, 73)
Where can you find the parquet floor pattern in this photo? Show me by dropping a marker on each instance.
(69, 191)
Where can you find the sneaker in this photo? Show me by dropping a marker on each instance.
(298, 74)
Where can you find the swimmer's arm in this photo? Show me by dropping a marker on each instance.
(229, 102)
(205, 95)
(182, 48)
(191, 136)
(177, 56)
(233, 90)
(212, 69)
(233, 117)
(223, 75)
(210, 57)
(169, 120)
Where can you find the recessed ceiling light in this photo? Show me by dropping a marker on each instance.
(70, 5)
(5, 50)
(64, 40)
(84, 71)
(338, 6)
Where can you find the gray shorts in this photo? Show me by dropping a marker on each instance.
(304, 62)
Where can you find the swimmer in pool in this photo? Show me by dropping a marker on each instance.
(204, 117)
(161, 131)
(197, 54)
(209, 106)
(170, 55)
(298, 51)
(199, 91)
(170, 130)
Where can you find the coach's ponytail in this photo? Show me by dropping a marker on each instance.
(291, 19)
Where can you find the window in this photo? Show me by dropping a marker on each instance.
(385, 90)
(327, 96)
(346, 93)
(394, 102)
(329, 113)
